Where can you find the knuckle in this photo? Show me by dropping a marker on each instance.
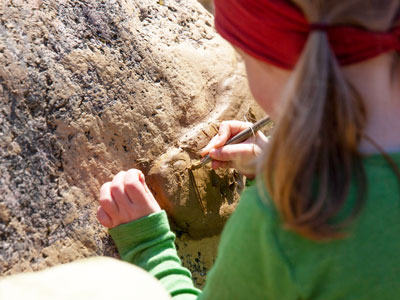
(105, 187)
(132, 180)
(217, 155)
(101, 216)
(131, 184)
(106, 202)
(132, 174)
(108, 207)
(116, 189)
(121, 173)
(118, 177)
(134, 171)
(101, 219)
(225, 154)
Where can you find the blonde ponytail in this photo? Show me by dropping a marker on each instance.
(313, 154)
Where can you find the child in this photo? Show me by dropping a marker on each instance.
(323, 221)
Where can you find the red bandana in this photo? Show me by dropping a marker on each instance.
(275, 31)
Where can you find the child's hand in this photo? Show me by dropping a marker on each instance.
(125, 198)
(239, 156)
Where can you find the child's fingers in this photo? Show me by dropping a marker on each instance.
(224, 133)
(209, 146)
(234, 152)
(103, 218)
(138, 192)
(134, 188)
(106, 201)
(227, 129)
(143, 181)
(120, 197)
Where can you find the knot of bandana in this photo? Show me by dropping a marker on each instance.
(276, 31)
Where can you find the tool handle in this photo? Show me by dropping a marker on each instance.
(245, 134)
(241, 136)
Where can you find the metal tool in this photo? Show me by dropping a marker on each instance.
(240, 137)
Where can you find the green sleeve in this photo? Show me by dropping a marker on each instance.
(250, 263)
(149, 244)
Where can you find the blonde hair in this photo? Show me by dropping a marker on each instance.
(313, 155)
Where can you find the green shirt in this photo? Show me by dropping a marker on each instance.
(259, 259)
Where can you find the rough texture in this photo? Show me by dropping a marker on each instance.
(89, 88)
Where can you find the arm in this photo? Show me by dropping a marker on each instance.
(250, 264)
(141, 232)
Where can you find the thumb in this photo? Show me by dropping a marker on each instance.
(224, 133)
(242, 151)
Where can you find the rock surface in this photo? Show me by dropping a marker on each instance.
(89, 88)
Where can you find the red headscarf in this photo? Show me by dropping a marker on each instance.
(275, 31)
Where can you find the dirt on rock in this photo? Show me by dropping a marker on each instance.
(89, 88)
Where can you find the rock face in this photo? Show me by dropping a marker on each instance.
(89, 88)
